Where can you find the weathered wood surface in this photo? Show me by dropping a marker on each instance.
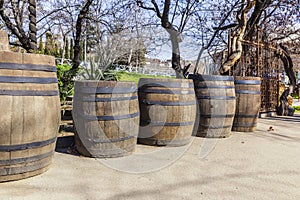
(248, 99)
(216, 101)
(168, 111)
(106, 117)
(29, 114)
(4, 45)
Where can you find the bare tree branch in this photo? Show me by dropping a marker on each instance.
(156, 9)
(53, 12)
(204, 47)
(175, 10)
(141, 4)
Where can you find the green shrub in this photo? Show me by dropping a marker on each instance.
(297, 108)
(66, 87)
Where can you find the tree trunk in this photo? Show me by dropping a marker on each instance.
(79, 23)
(129, 59)
(259, 8)
(236, 46)
(175, 39)
(63, 50)
(285, 57)
(283, 106)
(77, 47)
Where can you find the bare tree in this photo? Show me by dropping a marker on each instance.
(106, 53)
(15, 20)
(236, 43)
(118, 18)
(174, 18)
(275, 18)
(221, 23)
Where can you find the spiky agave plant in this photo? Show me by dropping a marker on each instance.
(97, 71)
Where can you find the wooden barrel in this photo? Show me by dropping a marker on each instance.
(4, 45)
(106, 118)
(29, 114)
(168, 111)
(248, 99)
(216, 100)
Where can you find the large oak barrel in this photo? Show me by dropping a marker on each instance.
(216, 100)
(29, 114)
(248, 99)
(106, 118)
(168, 111)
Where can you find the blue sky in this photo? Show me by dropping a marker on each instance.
(161, 47)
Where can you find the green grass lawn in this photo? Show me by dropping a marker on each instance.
(130, 76)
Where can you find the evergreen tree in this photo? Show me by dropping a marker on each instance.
(82, 52)
(67, 51)
(71, 49)
(56, 52)
(60, 52)
(41, 46)
(49, 47)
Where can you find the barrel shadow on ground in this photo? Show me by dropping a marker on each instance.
(288, 131)
(295, 118)
(169, 189)
(66, 145)
(285, 136)
(276, 136)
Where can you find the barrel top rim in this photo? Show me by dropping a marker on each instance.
(102, 81)
(36, 54)
(210, 77)
(164, 79)
(27, 54)
(247, 78)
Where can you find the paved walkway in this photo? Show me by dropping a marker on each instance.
(259, 165)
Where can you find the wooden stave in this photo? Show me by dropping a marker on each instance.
(249, 88)
(207, 90)
(113, 148)
(157, 91)
(24, 82)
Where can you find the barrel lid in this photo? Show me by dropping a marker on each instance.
(165, 82)
(104, 87)
(201, 77)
